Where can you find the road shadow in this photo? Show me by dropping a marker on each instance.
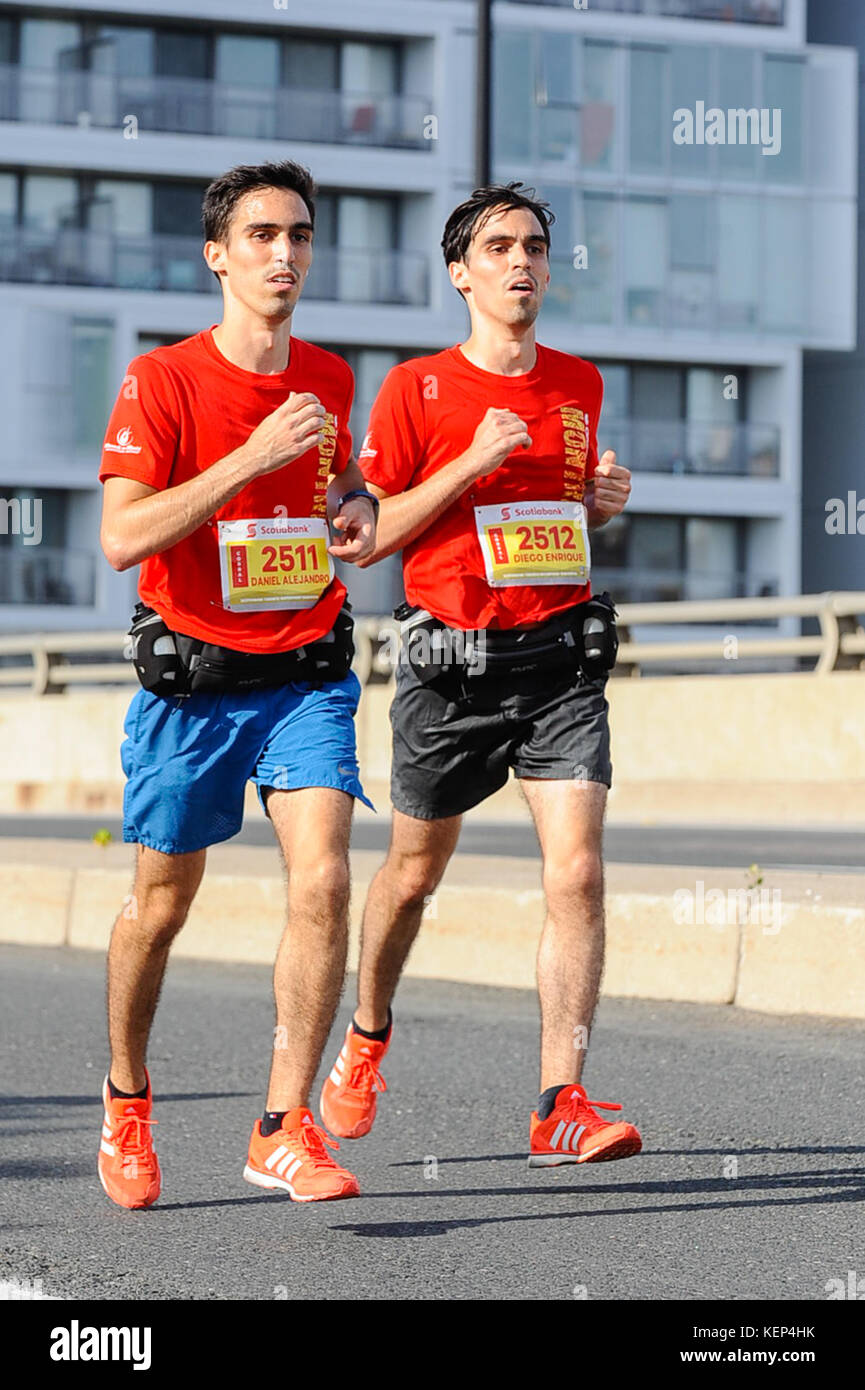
(48, 1168)
(249, 1201)
(843, 1186)
(728, 1152)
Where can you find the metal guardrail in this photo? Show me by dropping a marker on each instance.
(840, 644)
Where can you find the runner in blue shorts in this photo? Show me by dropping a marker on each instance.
(226, 459)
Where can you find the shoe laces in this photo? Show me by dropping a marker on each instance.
(316, 1142)
(579, 1107)
(365, 1077)
(132, 1138)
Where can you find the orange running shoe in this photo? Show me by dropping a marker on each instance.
(573, 1133)
(295, 1158)
(348, 1097)
(128, 1166)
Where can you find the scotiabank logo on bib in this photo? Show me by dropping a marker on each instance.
(124, 443)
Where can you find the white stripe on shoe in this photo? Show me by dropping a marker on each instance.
(275, 1156)
(106, 1148)
(557, 1133)
(284, 1162)
(293, 1169)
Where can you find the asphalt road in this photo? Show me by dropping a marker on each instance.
(708, 846)
(751, 1183)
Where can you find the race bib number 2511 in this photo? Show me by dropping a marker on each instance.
(273, 562)
(534, 543)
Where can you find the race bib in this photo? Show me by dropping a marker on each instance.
(273, 562)
(534, 543)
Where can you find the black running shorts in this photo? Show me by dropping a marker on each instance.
(450, 752)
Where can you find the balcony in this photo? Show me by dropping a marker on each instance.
(738, 11)
(687, 448)
(196, 107)
(644, 585)
(40, 574)
(74, 256)
(696, 301)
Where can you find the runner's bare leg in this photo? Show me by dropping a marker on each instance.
(416, 860)
(569, 817)
(162, 894)
(313, 826)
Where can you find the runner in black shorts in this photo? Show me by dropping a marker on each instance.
(485, 460)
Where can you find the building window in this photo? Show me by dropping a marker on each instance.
(784, 90)
(690, 81)
(651, 115)
(662, 559)
(47, 43)
(182, 53)
(92, 344)
(738, 90)
(598, 111)
(311, 65)
(8, 41)
(47, 572)
(646, 258)
(121, 50)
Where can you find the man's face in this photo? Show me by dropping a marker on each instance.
(506, 270)
(267, 253)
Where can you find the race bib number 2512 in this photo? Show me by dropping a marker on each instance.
(534, 543)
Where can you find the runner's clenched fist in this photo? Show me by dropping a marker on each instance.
(608, 491)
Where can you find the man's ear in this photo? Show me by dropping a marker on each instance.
(458, 271)
(214, 255)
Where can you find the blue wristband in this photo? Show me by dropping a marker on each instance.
(359, 492)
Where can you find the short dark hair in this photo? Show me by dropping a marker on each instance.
(468, 219)
(223, 194)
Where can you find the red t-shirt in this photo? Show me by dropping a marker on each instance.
(181, 409)
(425, 416)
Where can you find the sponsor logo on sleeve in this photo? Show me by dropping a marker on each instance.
(124, 444)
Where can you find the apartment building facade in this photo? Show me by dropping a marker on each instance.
(695, 273)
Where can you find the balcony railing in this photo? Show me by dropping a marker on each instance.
(677, 585)
(42, 574)
(75, 256)
(599, 297)
(741, 11)
(192, 106)
(686, 447)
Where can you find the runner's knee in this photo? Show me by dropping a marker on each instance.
(580, 877)
(412, 878)
(322, 884)
(158, 911)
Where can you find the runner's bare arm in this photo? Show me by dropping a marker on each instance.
(409, 514)
(139, 521)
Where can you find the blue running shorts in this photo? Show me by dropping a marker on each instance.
(187, 761)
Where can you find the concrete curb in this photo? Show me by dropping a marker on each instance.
(482, 926)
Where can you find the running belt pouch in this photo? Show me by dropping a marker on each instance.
(170, 663)
(213, 668)
(427, 645)
(154, 652)
(605, 639)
